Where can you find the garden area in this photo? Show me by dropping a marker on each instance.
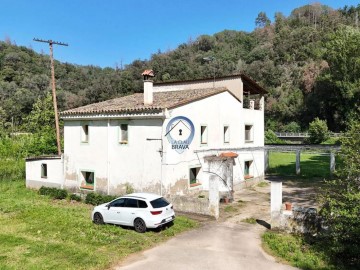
(38, 232)
(312, 164)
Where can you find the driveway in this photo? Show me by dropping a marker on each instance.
(229, 243)
(223, 245)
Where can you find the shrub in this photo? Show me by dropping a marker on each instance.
(96, 199)
(75, 197)
(271, 138)
(54, 193)
(12, 169)
(291, 127)
(318, 131)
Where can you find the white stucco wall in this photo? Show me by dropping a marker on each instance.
(215, 112)
(54, 173)
(234, 85)
(137, 163)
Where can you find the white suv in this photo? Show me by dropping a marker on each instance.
(139, 210)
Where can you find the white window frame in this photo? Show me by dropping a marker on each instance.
(123, 136)
(250, 174)
(226, 134)
(82, 175)
(250, 132)
(197, 169)
(44, 170)
(203, 135)
(84, 133)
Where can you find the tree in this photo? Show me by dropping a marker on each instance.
(337, 90)
(262, 20)
(341, 202)
(42, 116)
(318, 131)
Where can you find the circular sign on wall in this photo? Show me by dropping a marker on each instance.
(180, 133)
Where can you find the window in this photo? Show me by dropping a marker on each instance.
(118, 203)
(43, 170)
(226, 134)
(247, 169)
(123, 133)
(85, 133)
(158, 203)
(248, 133)
(142, 204)
(203, 131)
(193, 175)
(87, 180)
(132, 203)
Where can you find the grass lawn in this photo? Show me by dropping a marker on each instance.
(296, 251)
(311, 165)
(39, 233)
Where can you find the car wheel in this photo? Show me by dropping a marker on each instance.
(98, 218)
(139, 225)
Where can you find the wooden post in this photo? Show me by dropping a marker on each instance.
(51, 42)
(54, 100)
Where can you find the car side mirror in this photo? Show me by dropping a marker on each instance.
(108, 206)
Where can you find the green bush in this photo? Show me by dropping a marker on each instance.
(96, 199)
(318, 131)
(54, 193)
(12, 169)
(291, 127)
(75, 197)
(271, 138)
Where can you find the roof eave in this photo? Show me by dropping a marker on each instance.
(129, 115)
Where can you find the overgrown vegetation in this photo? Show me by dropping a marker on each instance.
(96, 199)
(307, 61)
(341, 203)
(250, 220)
(54, 193)
(38, 232)
(297, 251)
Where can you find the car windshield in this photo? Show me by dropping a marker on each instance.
(158, 203)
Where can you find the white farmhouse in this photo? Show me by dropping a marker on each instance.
(156, 141)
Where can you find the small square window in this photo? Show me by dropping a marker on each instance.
(87, 180)
(124, 133)
(226, 134)
(85, 133)
(249, 133)
(43, 170)
(204, 135)
(193, 176)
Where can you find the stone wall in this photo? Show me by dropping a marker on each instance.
(301, 220)
(197, 205)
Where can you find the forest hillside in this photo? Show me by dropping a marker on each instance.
(309, 62)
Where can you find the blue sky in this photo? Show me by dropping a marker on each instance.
(106, 32)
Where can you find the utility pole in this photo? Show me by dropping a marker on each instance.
(51, 42)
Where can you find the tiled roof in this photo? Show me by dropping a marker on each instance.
(135, 103)
(249, 84)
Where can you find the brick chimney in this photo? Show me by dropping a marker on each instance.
(148, 86)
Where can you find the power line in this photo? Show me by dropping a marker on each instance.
(51, 42)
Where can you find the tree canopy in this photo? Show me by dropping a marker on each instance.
(308, 62)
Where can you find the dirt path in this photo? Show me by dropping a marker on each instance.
(232, 242)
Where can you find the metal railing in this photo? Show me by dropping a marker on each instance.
(301, 134)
